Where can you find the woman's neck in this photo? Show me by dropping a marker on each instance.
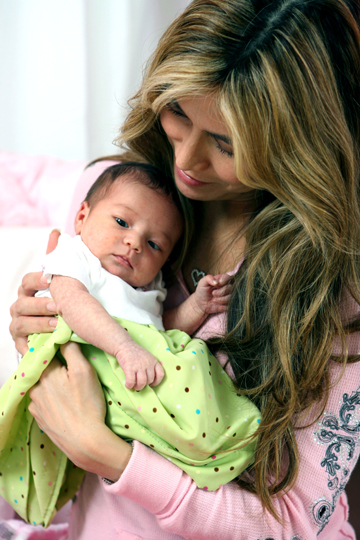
(219, 241)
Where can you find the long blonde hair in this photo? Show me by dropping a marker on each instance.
(286, 75)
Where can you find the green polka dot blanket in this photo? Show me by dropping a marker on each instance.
(194, 418)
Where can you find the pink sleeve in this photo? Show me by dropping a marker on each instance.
(316, 507)
(86, 180)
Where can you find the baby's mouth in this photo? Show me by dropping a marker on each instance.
(123, 260)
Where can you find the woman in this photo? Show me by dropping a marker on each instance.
(253, 106)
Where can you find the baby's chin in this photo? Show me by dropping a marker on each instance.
(128, 275)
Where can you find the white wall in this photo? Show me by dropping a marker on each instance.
(67, 68)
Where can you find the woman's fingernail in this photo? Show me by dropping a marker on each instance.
(53, 322)
(51, 307)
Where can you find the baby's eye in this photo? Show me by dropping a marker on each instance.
(153, 245)
(121, 222)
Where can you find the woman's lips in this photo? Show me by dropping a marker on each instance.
(124, 261)
(188, 180)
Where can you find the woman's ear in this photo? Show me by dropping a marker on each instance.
(81, 216)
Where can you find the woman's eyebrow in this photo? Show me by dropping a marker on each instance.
(217, 136)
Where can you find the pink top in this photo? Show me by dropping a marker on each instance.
(154, 499)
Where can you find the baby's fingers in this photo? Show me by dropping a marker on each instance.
(159, 375)
(131, 379)
(222, 291)
(223, 279)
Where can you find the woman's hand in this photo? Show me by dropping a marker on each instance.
(29, 314)
(69, 406)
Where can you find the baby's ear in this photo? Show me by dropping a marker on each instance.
(81, 216)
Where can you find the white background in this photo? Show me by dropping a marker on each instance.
(68, 67)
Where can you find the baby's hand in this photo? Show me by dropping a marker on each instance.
(140, 366)
(213, 293)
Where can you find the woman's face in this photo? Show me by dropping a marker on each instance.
(204, 161)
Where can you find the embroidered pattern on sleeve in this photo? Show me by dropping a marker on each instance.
(340, 437)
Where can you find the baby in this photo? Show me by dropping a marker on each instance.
(127, 227)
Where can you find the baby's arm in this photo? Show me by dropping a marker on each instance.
(211, 295)
(89, 320)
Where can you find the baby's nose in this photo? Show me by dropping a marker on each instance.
(133, 240)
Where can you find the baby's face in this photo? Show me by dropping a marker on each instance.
(132, 230)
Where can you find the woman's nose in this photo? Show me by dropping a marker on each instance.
(190, 152)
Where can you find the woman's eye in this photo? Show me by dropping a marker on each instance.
(153, 245)
(175, 111)
(121, 222)
(223, 151)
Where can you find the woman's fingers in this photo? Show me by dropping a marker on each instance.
(53, 240)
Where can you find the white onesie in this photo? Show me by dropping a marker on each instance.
(72, 258)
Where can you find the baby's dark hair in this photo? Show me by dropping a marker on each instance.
(149, 176)
(143, 173)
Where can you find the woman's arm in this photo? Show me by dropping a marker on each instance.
(315, 508)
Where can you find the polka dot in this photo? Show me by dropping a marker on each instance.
(23, 374)
(216, 469)
(186, 389)
(205, 488)
(126, 426)
(49, 483)
(178, 368)
(45, 362)
(110, 402)
(94, 358)
(152, 446)
(41, 446)
(245, 419)
(21, 478)
(197, 411)
(234, 435)
(193, 367)
(139, 408)
(15, 501)
(197, 472)
(183, 346)
(44, 463)
(171, 385)
(119, 403)
(34, 473)
(178, 406)
(191, 444)
(167, 348)
(232, 468)
(31, 349)
(172, 415)
(213, 457)
(258, 420)
(193, 352)
(210, 396)
(15, 377)
(22, 393)
(216, 419)
(202, 351)
(220, 382)
(54, 453)
(154, 409)
(204, 435)
(141, 335)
